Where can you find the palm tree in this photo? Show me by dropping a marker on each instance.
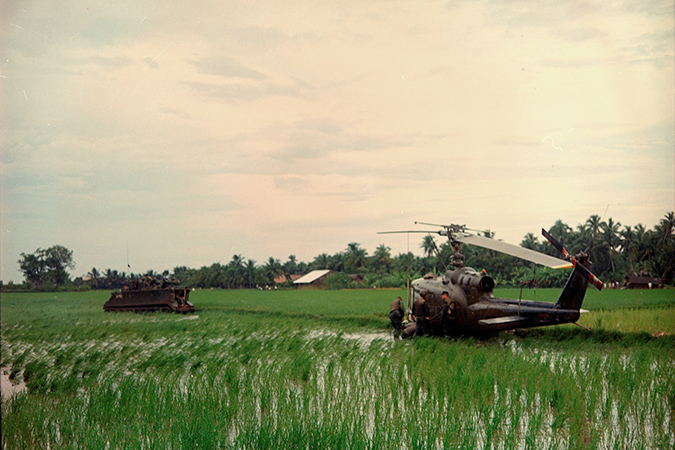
(428, 245)
(337, 262)
(94, 274)
(664, 258)
(273, 269)
(530, 241)
(594, 224)
(249, 267)
(235, 272)
(381, 259)
(321, 262)
(109, 279)
(355, 257)
(561, 231)
(666, 228)
(610, 236)
(593, 241)
(291, 266)
(627, 236)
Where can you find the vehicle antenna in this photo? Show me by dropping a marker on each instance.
(407, 282)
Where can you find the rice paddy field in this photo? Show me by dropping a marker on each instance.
(320, 370)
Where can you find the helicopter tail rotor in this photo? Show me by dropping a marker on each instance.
(578, 265)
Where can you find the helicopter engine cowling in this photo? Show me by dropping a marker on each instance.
(466, 276)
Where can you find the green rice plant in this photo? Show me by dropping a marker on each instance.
(225, 378)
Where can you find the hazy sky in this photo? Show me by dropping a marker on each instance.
(199, 130)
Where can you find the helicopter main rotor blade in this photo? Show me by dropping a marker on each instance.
(514, 250)
(595, 281)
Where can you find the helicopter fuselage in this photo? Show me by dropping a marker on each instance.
(477, 310)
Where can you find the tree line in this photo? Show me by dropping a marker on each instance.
(616, 250)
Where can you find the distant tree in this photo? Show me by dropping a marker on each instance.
(336, 262)
(58, 259)
(337, 280)
(627, 242)
(356, 257)
(321, 262)
(428, 245)
(34, 269)
(250, 271)
(291, 266)
(184, 275)
(530, 241)
(47, 267)
(381, 259)
(610, 237)
(663, 263)
(561, 230)
(594, 224)
(273, 269)
(94, 276)
(235, 275)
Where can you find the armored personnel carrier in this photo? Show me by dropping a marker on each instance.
(150, 294)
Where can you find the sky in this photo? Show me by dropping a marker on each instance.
(181, 133)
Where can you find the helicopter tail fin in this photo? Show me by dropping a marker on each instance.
(575, 289)
(574, 292)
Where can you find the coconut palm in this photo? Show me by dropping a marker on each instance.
(594, 224)
(321, 262)
(561, 231)
(273, 269)
(356, 257)
(291, 266)
(428, 245)
(627, 237)
(610, 237)
(381, 259)
(530, 241)
(249, 269)
(94, 275)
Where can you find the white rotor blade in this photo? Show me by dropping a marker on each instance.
(514, 250)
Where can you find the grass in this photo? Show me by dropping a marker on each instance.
(317, 369)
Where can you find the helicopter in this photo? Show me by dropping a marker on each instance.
(476, 309)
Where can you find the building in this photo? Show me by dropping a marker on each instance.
(315, 278)
(281, 279)
(643, 280)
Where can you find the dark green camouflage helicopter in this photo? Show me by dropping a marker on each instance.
(476, 309)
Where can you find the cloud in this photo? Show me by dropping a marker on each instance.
(278, 129)
(241, 92)
(226, 67)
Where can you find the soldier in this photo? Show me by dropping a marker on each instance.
(421, 314)
(396, 312)
(448, 313)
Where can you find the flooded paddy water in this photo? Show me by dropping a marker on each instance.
(10, 386)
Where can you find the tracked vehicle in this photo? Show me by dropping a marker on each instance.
(150, 294)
